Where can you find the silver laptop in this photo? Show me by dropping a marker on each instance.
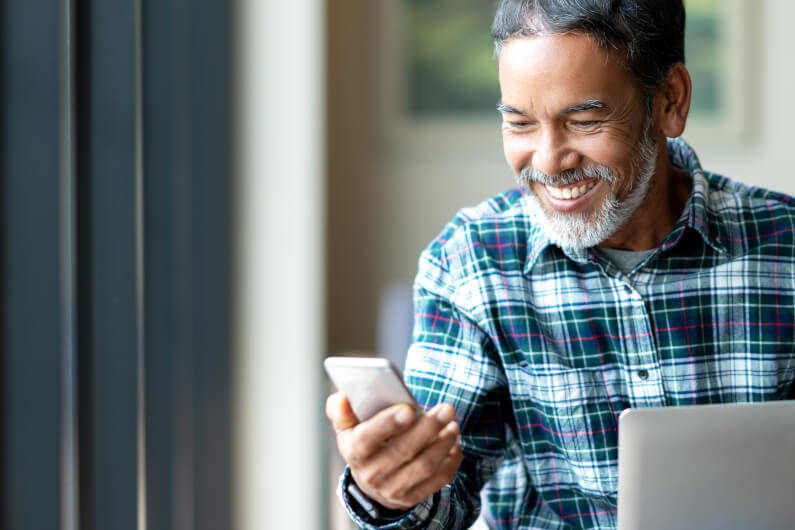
(722, 467)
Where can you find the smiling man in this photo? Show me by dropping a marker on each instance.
(618, 274)
(589, 152)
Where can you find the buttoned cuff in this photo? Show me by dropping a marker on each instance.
(416, 518)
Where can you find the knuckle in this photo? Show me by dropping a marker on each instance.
(395, 493)
(373, 479)
(352, 459)
(358, 459)
(359, 437)
(358, 442)
(417, 495)
(426, 467)
(401, 451)
(387, 491)
(368, 478)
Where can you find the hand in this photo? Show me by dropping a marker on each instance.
(396, 459)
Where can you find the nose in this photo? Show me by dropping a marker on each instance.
(552, 153)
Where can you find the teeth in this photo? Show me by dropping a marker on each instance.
(570, 193)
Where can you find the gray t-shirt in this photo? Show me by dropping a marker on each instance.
(625, 260)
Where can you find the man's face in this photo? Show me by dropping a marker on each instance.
(576, 134)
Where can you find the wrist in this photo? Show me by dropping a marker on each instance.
(373, 508)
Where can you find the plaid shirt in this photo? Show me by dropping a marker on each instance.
(539, 349)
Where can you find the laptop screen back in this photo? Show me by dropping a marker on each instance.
(708, 467)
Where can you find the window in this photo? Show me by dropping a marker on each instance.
(450, 64)
(115, 270)
(449, 68)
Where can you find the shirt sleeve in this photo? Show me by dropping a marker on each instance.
(416, 518)
(451, 360)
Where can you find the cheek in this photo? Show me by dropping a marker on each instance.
(626, 180)
(516, 153)
(607, 150)
(619, 157)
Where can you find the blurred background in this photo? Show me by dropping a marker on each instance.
(202, 200)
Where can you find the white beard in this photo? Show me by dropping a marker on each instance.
(581, 230)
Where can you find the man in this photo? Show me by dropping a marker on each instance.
(620, 274)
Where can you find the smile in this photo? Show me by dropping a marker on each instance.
(570, 192)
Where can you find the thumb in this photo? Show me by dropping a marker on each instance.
(346, 417)
(340, 412)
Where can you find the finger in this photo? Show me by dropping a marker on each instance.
(408, 445)
(427, 463)
(369, 437)
(339, 412)
(380, 467)
(444, 476)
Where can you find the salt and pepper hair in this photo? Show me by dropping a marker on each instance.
(649, 34)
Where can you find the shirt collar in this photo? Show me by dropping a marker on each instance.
(696, 214)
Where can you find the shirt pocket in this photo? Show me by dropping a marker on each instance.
(570, 409)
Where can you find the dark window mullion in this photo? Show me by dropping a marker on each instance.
(110, 264)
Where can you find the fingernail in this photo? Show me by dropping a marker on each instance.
(404, 416)
(452, 427)
(445, 413)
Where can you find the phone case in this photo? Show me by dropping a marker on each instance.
(371, 384)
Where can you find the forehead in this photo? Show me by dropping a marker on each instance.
(550, 70)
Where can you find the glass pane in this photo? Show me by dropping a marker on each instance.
(703, 41)
(451, 67)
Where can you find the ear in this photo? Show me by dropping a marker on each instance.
(672, 101)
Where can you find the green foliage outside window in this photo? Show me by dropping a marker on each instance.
(703, 58)
(451, 67)
(451, 63)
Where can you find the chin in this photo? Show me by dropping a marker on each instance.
(578, 230)
(575, 239)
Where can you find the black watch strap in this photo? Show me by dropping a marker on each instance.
(372, 508)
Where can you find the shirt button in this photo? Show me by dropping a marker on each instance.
(643, 374)
(628, 289)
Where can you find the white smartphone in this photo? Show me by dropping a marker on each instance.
(371, 384)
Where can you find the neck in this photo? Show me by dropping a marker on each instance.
(668, 193)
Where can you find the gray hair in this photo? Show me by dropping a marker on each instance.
(649, 33)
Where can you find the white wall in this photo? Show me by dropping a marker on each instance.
(279, 250)
(763, 157)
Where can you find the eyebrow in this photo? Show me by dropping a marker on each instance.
(507, 109)
(590, 104)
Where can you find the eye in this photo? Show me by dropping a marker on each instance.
(586, 124)
(519, 124)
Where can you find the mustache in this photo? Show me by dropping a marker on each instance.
(568, 176)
